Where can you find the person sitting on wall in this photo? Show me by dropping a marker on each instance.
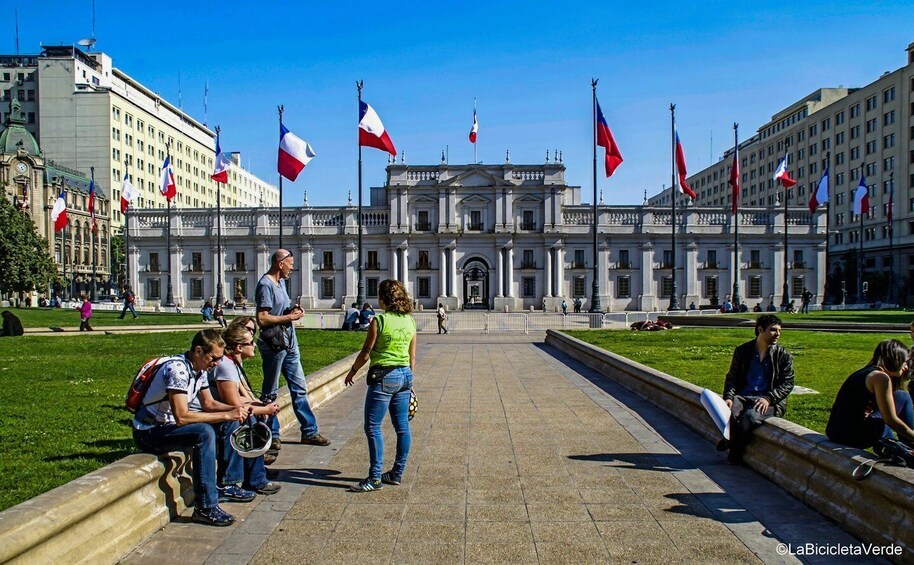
(757, 385)
(351, 322)
(366, 315)
(771, 307)
(207, 311)
(757, 307)
(692, 305)
(727, 307)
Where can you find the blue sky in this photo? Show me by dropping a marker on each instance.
(529, 64)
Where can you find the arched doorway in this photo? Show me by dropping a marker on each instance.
(475, 285)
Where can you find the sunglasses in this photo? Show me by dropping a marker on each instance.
(284, 258)
(250, 343)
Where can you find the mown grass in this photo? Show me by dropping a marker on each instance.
(840, 316)
(69, 317)
(61, 400)
(822, 360)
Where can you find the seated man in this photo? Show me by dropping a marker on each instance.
(166, 423)
(352, 317)
(757, 385)
(229, 384)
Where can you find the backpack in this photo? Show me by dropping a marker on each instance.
(141, 383)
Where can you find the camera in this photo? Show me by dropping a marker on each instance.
(268, 398)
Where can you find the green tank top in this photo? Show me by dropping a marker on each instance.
(395, 333)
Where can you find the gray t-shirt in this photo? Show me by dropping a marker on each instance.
(226, 370)
(176, 375)
(274, 296)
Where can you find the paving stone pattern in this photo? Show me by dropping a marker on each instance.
(519, 455)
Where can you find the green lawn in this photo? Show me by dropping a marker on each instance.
(822, 360)
(63, 398)
(841, 316)
(69, 317)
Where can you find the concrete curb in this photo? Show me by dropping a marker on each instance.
(100, 517)
(878, 510)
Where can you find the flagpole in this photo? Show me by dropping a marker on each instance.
(595, 306)
(359, 284)
(92, 228)
(860, 255)
(891, 236)
(126, 235)
(786, 290)
(674, 299)
(736, 219)
(475, 158)
(220, 298)
(825, 299)
(169, 297)
(63, 237)
(280, 108)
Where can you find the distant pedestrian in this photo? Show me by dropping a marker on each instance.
(806, 298)
(577, 305)
(442, 316)
(390, 347)
(544, 304)
(12, 327)
(219, 315)
(85, 314)
(129, 300)
(564, 307)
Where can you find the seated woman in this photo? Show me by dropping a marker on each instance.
(207, 311)
(854, 420)
(366, 315)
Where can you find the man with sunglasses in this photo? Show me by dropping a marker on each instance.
(278, 347)
(165, 422)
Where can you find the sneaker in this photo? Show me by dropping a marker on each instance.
(366, 485)
(275, 444)
(267, 488)
(316, 439)
(214, 516)
(270, 457)
(723, 445)
(234, 493)
(388, 479)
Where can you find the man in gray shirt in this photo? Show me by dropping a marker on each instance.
(278, 347)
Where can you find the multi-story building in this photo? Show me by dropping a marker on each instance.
(33, 184)
(87, 113)
(853, 132)
(496, 237)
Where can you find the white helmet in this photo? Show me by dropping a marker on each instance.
(251, 441)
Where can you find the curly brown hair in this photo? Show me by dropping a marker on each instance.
(394, 296)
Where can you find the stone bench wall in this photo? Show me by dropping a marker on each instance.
(102, 516)
(879, 509)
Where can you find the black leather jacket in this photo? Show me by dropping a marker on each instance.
(781, 375)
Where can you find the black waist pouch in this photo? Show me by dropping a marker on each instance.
(377, 373)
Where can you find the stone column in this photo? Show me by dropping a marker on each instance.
(452, 276)
(442, 272)
(690, 274)
(307, 276)
(560, 272)
(499, 274)
(510, 290)
(394, 266)
(647, 277)
(547, 274)
(405, 279)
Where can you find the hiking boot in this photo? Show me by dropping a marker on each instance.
(234, 493)
(214, 516)
(316, 439)
(270, 457)
(366, 485)
(389, 479)
(267, 489)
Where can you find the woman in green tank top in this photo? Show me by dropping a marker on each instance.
(390, 346)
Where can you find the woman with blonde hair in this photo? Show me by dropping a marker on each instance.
(390, 347)
(854, 420)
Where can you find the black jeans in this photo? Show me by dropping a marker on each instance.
(743, 419)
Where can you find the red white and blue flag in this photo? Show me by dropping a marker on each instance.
(59, 212)
(861, 196)
(783, 175)
(92, 223)
(167, 185)
(606, 140)
(294, 154)
(684, 188)
(220, 174)
(128, 194)
(372, 132)
(734, 178)
(820, 196)
(475, 129)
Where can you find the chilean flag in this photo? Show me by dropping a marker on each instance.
(128, 194)
(294, 154)
(474, 129)
(59, 212)
(92, 206)
(372, 132)
(605, 140)
(681, 169)
(820, 196)
(734, 178)
(222, 165)
(782, 175)
(861, 196)
(167, 183)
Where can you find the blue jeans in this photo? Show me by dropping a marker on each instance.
(288, 362)
(128, 306)
(201, 438)
(904, 409)
(234, 469)
(391, 393)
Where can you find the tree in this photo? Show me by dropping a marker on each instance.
(27, 263)
(117, 259)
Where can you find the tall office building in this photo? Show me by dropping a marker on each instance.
(865, 131)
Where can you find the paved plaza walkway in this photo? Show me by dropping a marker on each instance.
(520, 455)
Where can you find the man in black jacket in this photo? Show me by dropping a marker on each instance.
(757, 385)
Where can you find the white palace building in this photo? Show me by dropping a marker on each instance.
(499, 237)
